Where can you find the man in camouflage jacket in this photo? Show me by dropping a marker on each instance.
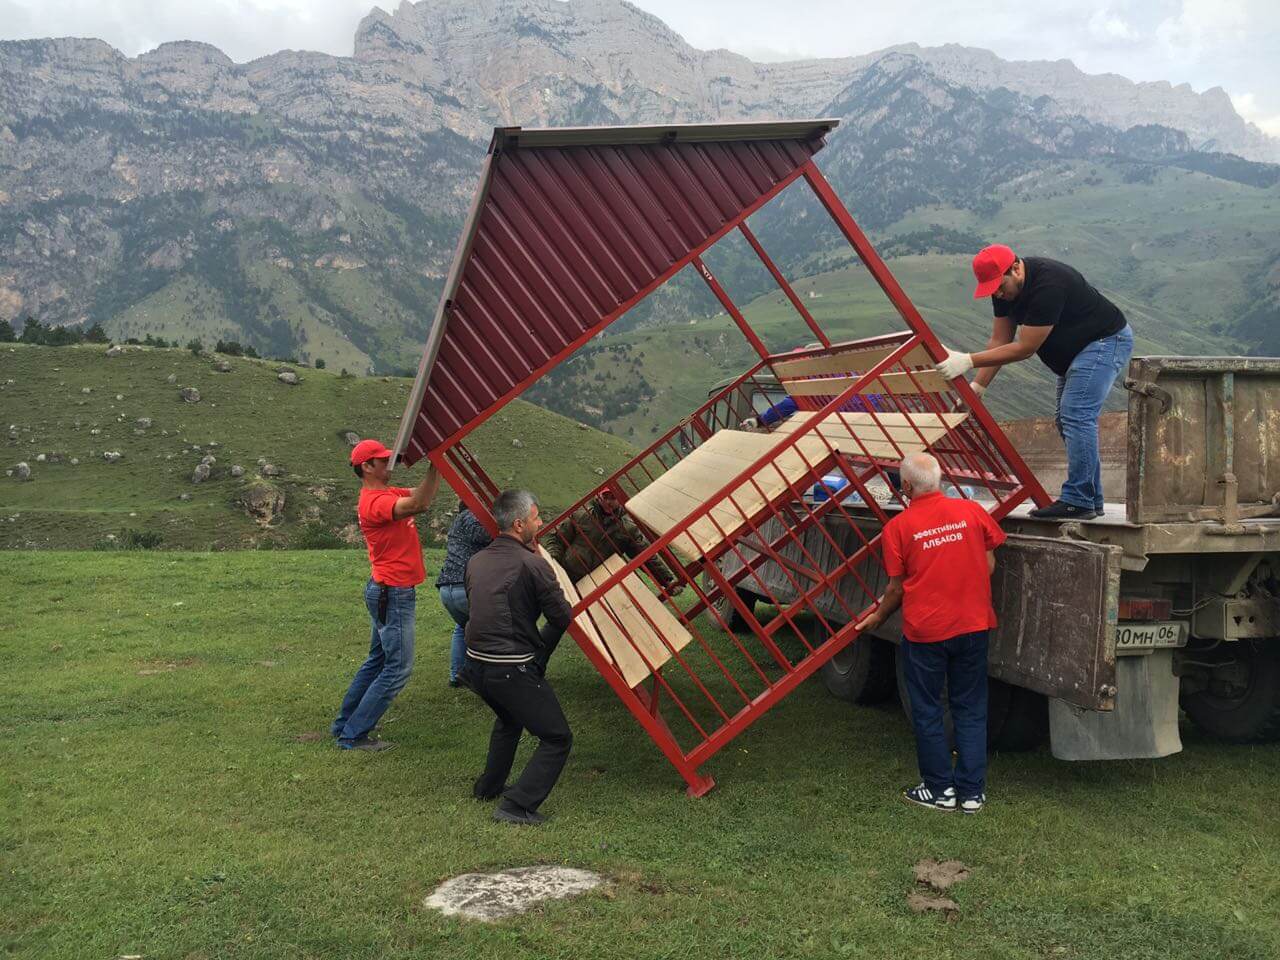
(597, 530)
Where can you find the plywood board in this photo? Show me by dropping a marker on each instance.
(631, 620)
(571, 594)
(919, 381)
(672, 497)
(848, 361)
(893, 437)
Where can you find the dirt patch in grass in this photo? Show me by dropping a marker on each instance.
(151, 668)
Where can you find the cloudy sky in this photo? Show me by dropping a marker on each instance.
(1234, 44)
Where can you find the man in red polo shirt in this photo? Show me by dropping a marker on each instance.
(395, 555)
(939, 556)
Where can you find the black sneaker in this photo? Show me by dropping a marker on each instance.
(922, 796)
(510, 813)
(1060, 510)
(973, 804)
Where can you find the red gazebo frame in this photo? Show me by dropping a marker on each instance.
(571, 228)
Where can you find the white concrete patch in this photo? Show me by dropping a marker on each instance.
(496, 896)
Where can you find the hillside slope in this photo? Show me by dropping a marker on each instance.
(242, 416)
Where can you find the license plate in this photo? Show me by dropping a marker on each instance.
(1141, 637)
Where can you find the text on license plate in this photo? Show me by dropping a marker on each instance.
(1150, 636)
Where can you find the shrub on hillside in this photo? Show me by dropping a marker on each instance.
(6, 332)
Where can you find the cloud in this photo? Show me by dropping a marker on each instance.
(1202, 26)
(1109, 27)
(1247, 106)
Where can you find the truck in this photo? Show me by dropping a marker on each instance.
(1108, 628)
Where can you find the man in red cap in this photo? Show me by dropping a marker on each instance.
(395, 555)
(1047, 308)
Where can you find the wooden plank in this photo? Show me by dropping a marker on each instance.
(892, 439)
(849, 361)
(666, 502)
(925, 381)
(571, 594)
(625, 628)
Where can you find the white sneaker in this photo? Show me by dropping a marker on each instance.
(973, 804)
(922, 796)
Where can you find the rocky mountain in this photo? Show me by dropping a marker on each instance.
(308, 204)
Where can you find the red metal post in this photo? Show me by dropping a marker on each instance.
(911, 316)
(782, 282)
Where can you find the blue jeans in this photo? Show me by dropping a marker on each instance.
(961, 664)
(385, 671)
(453, 597)
(1080, 396)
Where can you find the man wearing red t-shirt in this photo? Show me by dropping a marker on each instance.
(395, 555)
(939, 556)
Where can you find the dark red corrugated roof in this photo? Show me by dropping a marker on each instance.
(568, 230)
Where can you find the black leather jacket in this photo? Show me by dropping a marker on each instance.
(508, 587)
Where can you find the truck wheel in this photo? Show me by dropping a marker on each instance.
(1017, 719)
(1245, 707)
(727, 611)
(863, 672)
(1025, 722)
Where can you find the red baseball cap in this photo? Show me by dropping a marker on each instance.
(990, 266)
(368, 450)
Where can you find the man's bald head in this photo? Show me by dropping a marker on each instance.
(922, 473)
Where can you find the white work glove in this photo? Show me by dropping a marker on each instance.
(956, 364)
(977, 388)
(750, 423)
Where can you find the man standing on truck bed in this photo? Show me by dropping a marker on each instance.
(938, 555)
(395, 555)
(1077, 332)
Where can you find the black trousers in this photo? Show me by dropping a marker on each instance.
(521, 699)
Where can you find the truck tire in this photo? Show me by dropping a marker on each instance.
(1253, 714)
(727, 611)
(1017, 718)
(1024, 725)
(863, 672)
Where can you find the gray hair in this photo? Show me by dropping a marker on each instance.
(513, 505)
(922, 471)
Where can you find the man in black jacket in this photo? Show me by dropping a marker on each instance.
(509, 585)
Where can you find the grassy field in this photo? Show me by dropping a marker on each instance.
(163, 797)
(249, 415)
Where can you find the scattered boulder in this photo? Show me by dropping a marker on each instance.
(190, 394)
(56, 457)
(184, 496)
(263, 501)
(351, 437)
(171, 378)
(144, 423)
(111, 456)
(517, 443)
(115, 351)
(212, 444)
(201, 473)
(222, 366)
(96, 431)
(75, 461)
(208, 460)
(599, 471)
(13, 432)
(41, 458)
(22, 471)
(262, 461)
(271, 470)
(237, 471)
(86, 390)
(119, 396)
(288, 377)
